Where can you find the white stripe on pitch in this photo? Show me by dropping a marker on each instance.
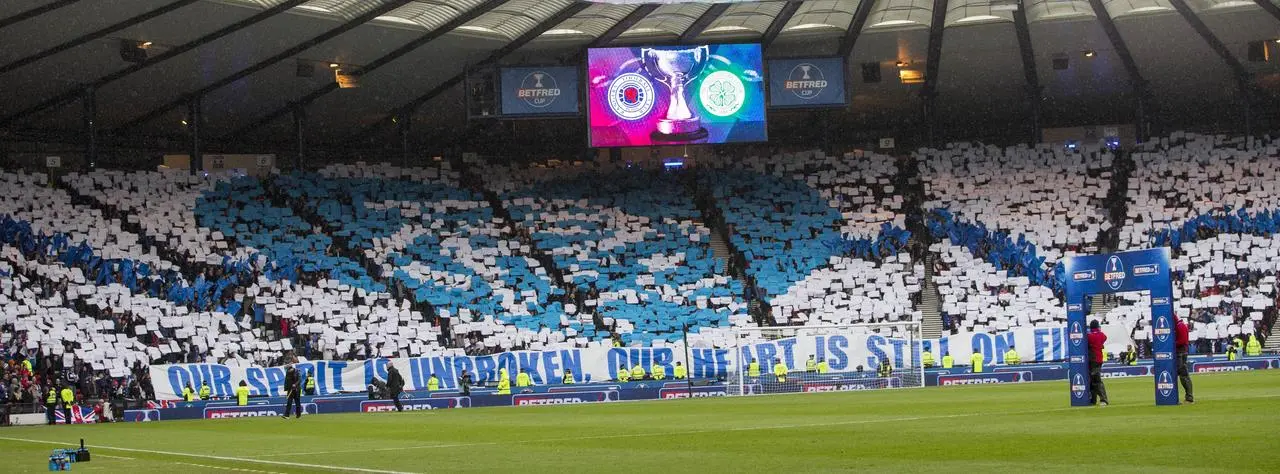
(218, 458)
(224, 468)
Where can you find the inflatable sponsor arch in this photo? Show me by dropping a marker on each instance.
(1136, 270)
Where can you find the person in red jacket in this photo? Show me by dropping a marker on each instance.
(1097, 391)
(1181, 341)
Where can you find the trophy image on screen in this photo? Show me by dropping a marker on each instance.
(677, 69)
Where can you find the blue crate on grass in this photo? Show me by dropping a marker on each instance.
(72, 455)
(59, 461)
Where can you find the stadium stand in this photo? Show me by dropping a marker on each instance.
(1004, 217)
(631, 247)
(1050, 195)
(159, 205)
(807, 260)
(373, 260)
(1214, 200)
(1225, 257)
(430, 247)
(276, 209)
(31, 202)
(978, 297)
(1185, 179)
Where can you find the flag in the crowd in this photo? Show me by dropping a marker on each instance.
(79, 415)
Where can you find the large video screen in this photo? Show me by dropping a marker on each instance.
(539, 91)
(671, 95)
(809, 82)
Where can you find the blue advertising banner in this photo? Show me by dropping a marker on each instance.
(1136, 270)
(648, 390)
(377, 406)
(539, 90)
(1126, 371)
(674, 390)
(1234, 366)
(807, 82)
(695, 392)
(565, 398)
(150, 414)
(986, 378)
(233, 411)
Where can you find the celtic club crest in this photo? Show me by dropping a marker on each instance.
(722, 93)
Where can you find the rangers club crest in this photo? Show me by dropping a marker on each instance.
(631, 96)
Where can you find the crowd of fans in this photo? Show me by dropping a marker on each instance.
(1214, 200)
(372, 260)
(1002, 218)
(1048, 196)
(27, 381)
(630, 245)
(1211, 198)
(819, 236)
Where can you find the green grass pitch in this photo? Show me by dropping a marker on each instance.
(1234, 427)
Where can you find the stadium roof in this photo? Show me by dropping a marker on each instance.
(246, 59)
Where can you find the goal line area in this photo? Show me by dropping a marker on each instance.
(826, 358)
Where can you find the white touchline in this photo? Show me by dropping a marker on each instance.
(113, 457)
(224, 468)
(402, 448)
(219, 458)
(744, 428)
